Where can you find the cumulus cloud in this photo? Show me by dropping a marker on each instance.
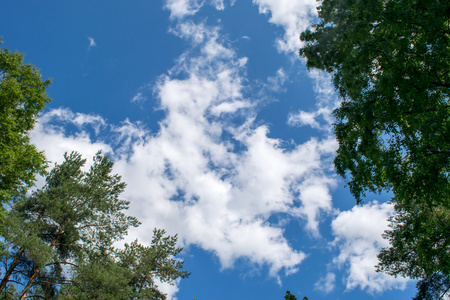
(213, 181)
(294, 16)
(358, 238)
(213, 196)
(169, 289)
(182, 8)
(52, 135)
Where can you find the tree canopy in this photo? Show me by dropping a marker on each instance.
(22, 97)
(128, 273)
(390, 63)
(61, 239)
(290, 296)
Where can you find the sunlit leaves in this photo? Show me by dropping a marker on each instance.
(22, 97)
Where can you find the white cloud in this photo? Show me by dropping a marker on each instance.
(169, 289)
(51, 135)
(229, 107)
(358, 238)
(276, 82)
(139, 97)
(189, 178)
(327, 101)
(326, 284)
(91, 42)
(183, 8)
(293, 15)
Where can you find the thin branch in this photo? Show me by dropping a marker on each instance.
(36, 296)
(16, 282)
(62, 262)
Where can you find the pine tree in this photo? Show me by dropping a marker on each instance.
(74, 213)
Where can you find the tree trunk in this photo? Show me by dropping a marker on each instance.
(15, 261)
(11, 269)
(36, 270)
(30, 283)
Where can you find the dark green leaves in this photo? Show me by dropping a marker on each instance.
(61, 239)
(390, 62)
(127, 273)
(289, 296)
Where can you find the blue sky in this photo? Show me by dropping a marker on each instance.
(221, 134)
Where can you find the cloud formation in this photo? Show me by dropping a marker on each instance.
(180, 9)
(212, 174)
(358, 238)
(214, 181)
(293, 16)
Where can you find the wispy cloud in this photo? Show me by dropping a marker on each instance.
(276, 82)
(326, 284)
(91, 42)
(326, 102)
(138, 98)
(180, 9)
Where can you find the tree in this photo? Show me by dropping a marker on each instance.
(434, 287)
(390, 62)
(419, 242)
(128, 273)
(290, 296)
(22, 97)
(419, 248)
(61, 240)
(74, 213)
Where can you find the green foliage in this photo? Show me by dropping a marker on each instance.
(128, 273)
(72, 223)
(419, 242)
(10, 293)
(419, 248)
(61, 239)
(390, 62)
(289, 296)
(22, 97)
